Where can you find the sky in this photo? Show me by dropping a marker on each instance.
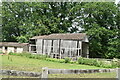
(116, 1)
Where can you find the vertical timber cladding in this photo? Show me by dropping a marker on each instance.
(68, 48)
(84, 49)
(47, 47)
(79, 48)
(39, 46)
(56, 48)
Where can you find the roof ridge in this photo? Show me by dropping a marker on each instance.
(73, 36)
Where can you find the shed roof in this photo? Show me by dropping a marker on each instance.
(68, 36)
(13, 44)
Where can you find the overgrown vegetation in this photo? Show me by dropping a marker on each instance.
(86, 61)
(113, 64)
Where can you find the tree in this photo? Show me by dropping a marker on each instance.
(100, 21)
(30, 19)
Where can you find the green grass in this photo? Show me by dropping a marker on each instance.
(87, 75)
(10, 62)
(27, 64)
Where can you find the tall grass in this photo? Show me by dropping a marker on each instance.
(29, 55)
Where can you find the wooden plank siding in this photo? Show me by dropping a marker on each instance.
(62, 45)
(59, 48)
(39, 46)
(47, 47)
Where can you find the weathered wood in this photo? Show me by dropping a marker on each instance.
(47, 47)
(78, 71)
(52, 46)
(81, 49)
(87, 52)
(44, 73)
(59, 48)
(30, 48)
(42, 45)
(77, 47)
(118, 73)
(69, 47)
(39, 46)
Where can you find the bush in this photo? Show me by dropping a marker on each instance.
(99, 64)
(56, 60)
(72, 62)
(67, 60)
(115, 63)
(93, 62)
(105, 64)
(87, 61)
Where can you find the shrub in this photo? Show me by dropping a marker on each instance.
(55, 60)
(67, 60)
(72, 62)
(119, 63)
(99, 64)
(87, 61)
(115, 63)
(93, 62)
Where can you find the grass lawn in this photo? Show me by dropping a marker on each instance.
(26, 64)
(88, 75)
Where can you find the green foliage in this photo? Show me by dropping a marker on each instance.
(29, 55)
(67, 60)
(100, 21)
(94, 62)
(56, 60)
(24, 20)
(115, 63)
(87, 61)
(22, 39)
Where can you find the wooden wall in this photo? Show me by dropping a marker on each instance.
(47, 47)
(60, 48)
(39, 46)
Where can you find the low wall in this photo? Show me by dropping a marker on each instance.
(46, 71)
(79, 71)
(19, 73)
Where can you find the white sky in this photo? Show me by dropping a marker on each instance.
(116, 1)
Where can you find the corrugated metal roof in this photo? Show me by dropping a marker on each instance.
(13, 44)
(69, 36)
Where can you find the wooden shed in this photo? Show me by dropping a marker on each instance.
(62, 45)
(7, 47)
